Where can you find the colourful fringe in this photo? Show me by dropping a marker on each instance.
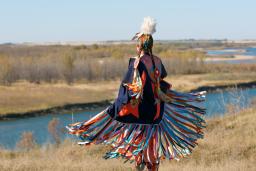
(173, 138)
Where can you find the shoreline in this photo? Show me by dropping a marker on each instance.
(78, 107)
(215, 58)
(251, 84)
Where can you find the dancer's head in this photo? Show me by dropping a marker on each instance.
(145, 43)
(144, 37)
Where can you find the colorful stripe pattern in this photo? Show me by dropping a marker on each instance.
(172, 138)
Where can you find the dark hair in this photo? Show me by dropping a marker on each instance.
(146, 44)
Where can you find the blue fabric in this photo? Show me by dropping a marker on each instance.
(147, 107)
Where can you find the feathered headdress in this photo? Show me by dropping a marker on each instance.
(148, 27)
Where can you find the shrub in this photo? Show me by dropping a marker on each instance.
(54, 130)
(27, 141)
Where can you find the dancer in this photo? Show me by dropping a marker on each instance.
(148, 121)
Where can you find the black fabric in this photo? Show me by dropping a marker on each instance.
(147, 108)
(163, 71)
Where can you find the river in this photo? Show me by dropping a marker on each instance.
(10, 131)
(243, 52)
(250, 51)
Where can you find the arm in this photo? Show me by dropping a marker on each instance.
(163, 71)
(129, 74)
(134, 84)
(124, 94)
(131, 87)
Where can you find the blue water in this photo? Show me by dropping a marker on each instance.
(223, 52)
(10, 131)
(251, 51)
(216, 102)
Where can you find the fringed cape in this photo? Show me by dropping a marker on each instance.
(148, 120)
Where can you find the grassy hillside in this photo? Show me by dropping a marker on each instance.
(229, 144)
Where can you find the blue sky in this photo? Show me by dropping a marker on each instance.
(97, 20)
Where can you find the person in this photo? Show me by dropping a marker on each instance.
(148, 121)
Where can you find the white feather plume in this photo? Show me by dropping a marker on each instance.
(148, 26)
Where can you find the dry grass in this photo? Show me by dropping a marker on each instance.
(68, 156)
(27, 141)
(24, 96)
(229, 144)
(51, 64)
(71, 63)
(190, 82)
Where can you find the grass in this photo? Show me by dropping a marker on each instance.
(193, 81)
(53, 63)
(229, 144)
(24, 96)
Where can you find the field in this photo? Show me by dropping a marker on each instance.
(38, 77)
(229, 144)
(62, 63)
(24, 96)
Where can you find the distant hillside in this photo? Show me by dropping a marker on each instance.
(112, 42)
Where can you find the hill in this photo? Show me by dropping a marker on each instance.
(229, 144)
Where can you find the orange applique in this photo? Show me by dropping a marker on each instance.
(157, 111)
(133, 87)
(143, 78)
(129, 109)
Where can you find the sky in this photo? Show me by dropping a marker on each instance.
(101, 20)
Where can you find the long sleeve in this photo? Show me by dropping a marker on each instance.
(163, 71)
(164, 85)
(124, 95)
(129, 74)
(136, 100)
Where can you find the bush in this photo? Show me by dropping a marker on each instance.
(27, 141)
(68, 67)
(54, 130)
(7, 71)
(99, 62)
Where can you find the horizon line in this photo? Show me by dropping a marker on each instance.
(122, 41)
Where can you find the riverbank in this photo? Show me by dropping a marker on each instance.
(24, 99)
(226, 59)
(229, 144)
